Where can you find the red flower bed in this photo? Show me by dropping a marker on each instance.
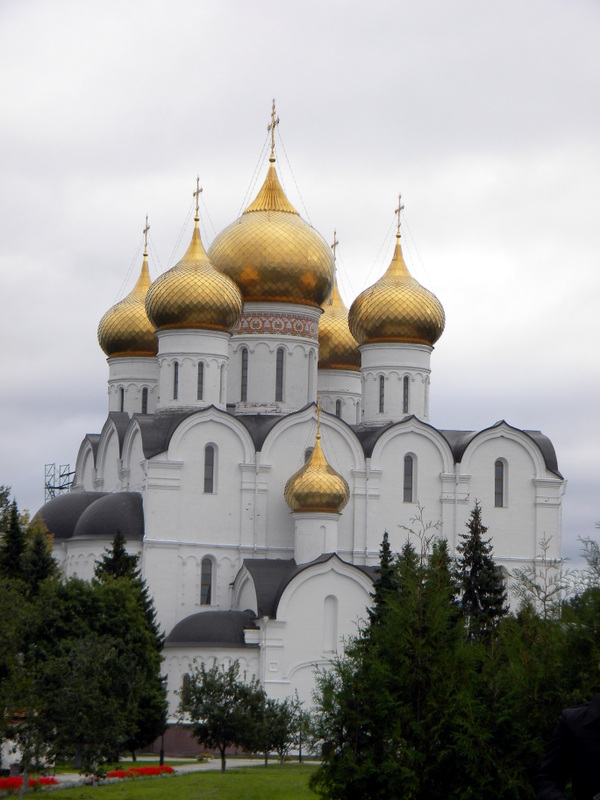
(135, 772)
(14, 784)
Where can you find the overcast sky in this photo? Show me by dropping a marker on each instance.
(485, 115)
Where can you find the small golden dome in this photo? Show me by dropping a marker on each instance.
(193, 294)
(337, 346)
(272, 253)
(317, 486)
(397, 309)
(125, 329)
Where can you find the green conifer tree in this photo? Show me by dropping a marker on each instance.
(13, 544)
(482, 587)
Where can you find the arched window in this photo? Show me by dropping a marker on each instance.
(279, 374)
(200, 388)
(121, 399)
(175, 380)
(144, 400)
(499, 484)
(381, 394)
(206, 582)
(405, 385)
(338, 408)
(244, 383)
(408, 486)
(330, 624)
(209, 469)
(358, 415)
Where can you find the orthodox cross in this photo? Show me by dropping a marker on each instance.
(398, 211)
(334, 245)
(319, 406)
(145, 232)
(197, 194)
(271, 129)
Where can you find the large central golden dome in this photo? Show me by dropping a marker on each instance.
(397, 309)
(193, 294)
(272, 253)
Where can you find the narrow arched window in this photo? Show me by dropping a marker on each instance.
(175, 380)
(499, 487)
(381, 394)
(408, 485)
(209, 469)
(358, 416)
(330, 624)
(144, 400)
(338, 408)
(200, 387)
(244, 382)
(206, 582)
(279, 374)
(121, 399)
(405, 385)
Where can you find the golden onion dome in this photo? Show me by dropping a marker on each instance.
(125, 330)
(272, 253)
(337, 346)
(317, 486)
(193, 294)
(397, 309)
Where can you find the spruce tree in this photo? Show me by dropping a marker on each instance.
(482, 587)
(117, 562)
(386, 582)
(12, 544)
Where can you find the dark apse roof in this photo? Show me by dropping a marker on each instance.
(271, 577)
(120, 511)
(215, 628)
(94, 514)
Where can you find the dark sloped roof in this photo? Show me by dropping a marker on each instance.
(216, 628)
(61, 514)
(272, 576)
(121, 421)
(121, 511)
(157, 429)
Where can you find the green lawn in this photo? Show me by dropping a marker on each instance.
(289, 782)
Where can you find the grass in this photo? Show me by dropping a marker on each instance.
(289, 782)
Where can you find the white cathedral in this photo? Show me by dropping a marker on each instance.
(258, 524)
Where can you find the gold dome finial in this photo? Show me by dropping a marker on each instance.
(398, 211)
(145, 232)
(334, 245)
(271, 129)
(317, 487)
(197, 194)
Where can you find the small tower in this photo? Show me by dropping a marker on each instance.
(396, 323)
(316, 495)
(338, 382)
(128, 338)
(193, 308)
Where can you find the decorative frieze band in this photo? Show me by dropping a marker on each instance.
(277, 324)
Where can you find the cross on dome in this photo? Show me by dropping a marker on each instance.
(196, 194)
(271, 129)
(145, 232)
(335, 244)
(398, 212)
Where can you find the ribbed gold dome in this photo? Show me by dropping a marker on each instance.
(397, 309)
(337, 346)
(125, 329)
(317, 486)
(272, 253)
(193, 294)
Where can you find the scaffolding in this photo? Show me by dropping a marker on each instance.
(57, 480)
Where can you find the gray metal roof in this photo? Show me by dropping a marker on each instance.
(215, 628)
(96, 515)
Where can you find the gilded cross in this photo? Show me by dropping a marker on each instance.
(319, 407)
(398, 211)
(197, 194)
(334, 245)
(271, 129)
(145, 232)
